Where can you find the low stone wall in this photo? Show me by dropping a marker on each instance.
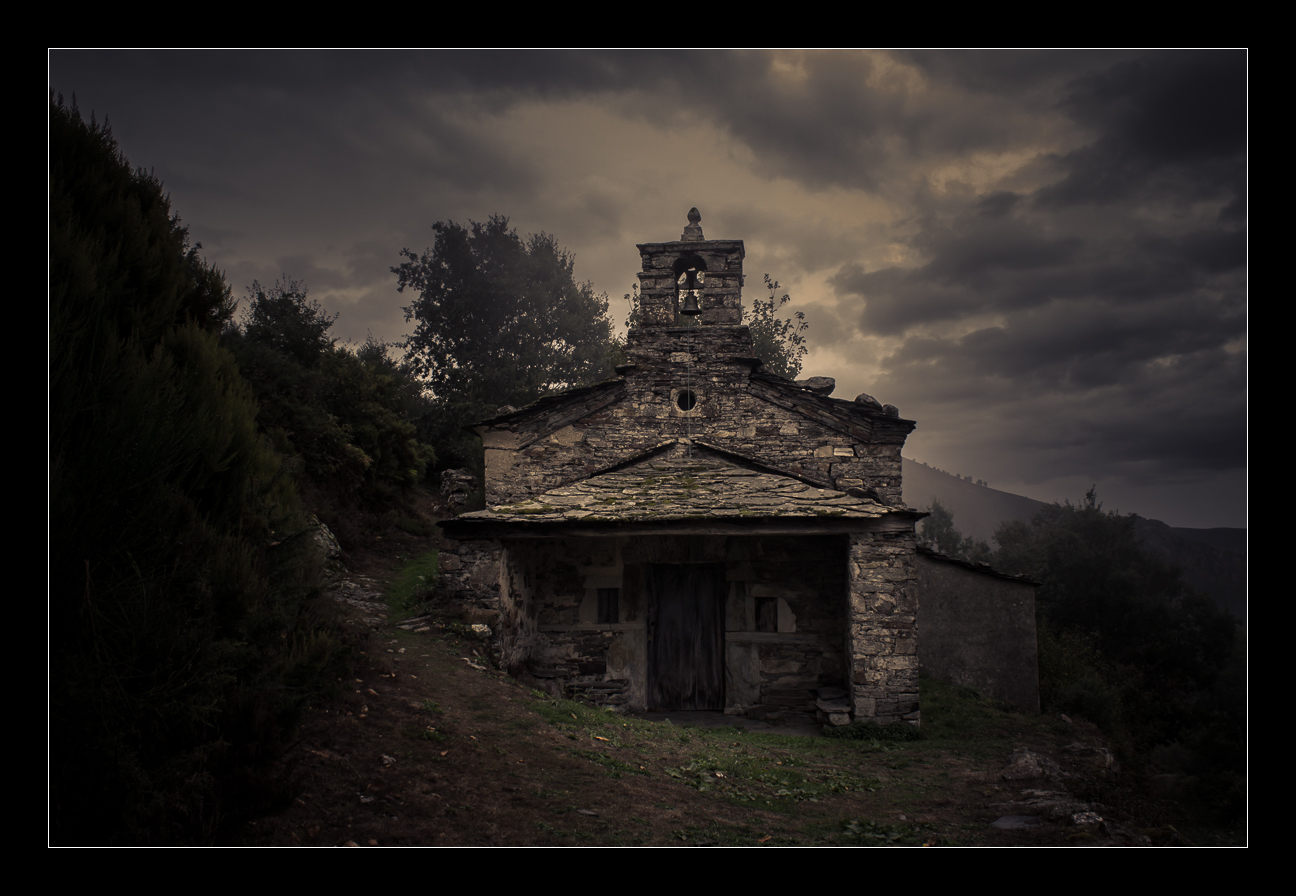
(978, 630)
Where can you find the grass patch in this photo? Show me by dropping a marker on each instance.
(431, 728)
(593, 720)
(615, 767)
(871, 731)
(746, 772)
(414, 525)
(955, 713)
(413, 585)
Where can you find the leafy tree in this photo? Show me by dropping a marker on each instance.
(284, 320)
(181, 621)
(348, 419)
(498, 320)
(780, 341)
(938, 532)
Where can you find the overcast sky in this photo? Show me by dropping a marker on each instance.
(1039, 256)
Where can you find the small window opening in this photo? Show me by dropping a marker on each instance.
(767, 614)
(686, 400)
(609, 606)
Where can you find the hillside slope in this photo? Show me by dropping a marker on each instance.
(978, 510)
(425, 745)
(1213, 561)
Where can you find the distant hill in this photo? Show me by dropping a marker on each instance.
(978, 509)
(1213, 561)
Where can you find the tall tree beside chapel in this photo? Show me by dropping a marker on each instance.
(499, 319)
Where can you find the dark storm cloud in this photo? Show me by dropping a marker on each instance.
(337, 73)
(842, 118)
(1008, 267)
(1148, 207)
(1038, 255)
(1010, 73)
(1171, 125)
(1067, 346)
(984, 257)
(240, 120)
(1087, 388)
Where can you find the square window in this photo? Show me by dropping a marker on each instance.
(609, 606)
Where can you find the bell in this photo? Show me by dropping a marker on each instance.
(689, 283)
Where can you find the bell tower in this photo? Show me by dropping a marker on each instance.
(691, 279)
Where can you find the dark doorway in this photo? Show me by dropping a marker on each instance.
(686, 636)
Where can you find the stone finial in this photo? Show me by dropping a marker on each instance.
(694, 229)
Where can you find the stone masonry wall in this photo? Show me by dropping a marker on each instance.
(571, 652)
(470, 576)
(731, 412)
(979, 631)
(883, 629)
(721, 262)
(769, 674)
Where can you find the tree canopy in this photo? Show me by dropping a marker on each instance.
(500, 319)
(179, 594)
(938, 532)
(347, 419)
(1126, 643)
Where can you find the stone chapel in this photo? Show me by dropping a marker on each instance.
(696, 533)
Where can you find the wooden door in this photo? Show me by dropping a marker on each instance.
(685, 636)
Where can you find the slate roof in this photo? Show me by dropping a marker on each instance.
(685, 482)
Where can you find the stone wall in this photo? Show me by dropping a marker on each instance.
(979, 630)
(768, 673)
(770, 421)
(719, 260)
(771, 673)
(883, 629)
(470, 576)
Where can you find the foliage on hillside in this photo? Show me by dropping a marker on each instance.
(347, 420)
(1124, 642)
(183, 633)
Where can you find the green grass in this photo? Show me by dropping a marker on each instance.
(871, 731)
(956, 714)
(787, 779)
(414, 583)
(746, 769)
(716, 834)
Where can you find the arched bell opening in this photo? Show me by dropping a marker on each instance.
(690, 277)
